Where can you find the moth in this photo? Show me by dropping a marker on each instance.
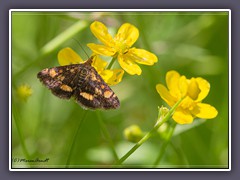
(81, 82)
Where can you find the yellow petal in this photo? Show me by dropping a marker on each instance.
(100, 31)
(204, 87)
(182, 116)
(193, 89)
(98, 63)
(112, 77)
(67, 56)
(183, 86)
(101, 49)
(142, 56)
(106, 74)
(172, 80)
(165, 95)
(128, 34)
(204, 111)
(128, 65)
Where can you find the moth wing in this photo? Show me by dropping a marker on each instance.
(60, 80)
(94, 93)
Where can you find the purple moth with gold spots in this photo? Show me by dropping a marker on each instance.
(82, 82)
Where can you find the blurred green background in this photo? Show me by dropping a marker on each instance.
(192, 43)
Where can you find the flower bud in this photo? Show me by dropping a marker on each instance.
(24, 92)
(133, 133)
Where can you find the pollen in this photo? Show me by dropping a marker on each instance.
(66, 88)
(86, 96)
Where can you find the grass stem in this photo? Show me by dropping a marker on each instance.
(16, 117)
(107, 135)
(74, 139)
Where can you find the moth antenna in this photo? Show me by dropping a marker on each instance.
(81, 47)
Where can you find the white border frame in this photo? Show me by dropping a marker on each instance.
(116, 10)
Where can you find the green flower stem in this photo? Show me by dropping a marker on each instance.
(61, 38)
(103, 126)
(160, 121)
(17, 119)
(111, 63)
(75, 138)
(164, 145)
(107, 135)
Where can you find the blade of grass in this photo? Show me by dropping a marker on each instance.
(65, 35)
(54, 44)
(74, 138)
(143, 35)
(107, 135)
(16, 117)
(180, 153)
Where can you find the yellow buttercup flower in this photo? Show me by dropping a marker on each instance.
(120, 47)
(24, 92)
(193, 91)
(67, 56)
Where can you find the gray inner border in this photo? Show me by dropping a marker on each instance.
(171, 4)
